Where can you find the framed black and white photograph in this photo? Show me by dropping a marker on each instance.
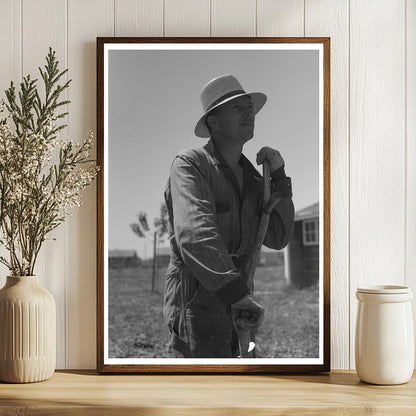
(213, 247)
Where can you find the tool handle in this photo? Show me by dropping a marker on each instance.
(246, 336)
(266, 182)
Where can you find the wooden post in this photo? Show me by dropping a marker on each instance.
(154, 262)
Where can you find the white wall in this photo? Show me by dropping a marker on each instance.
(373, 132)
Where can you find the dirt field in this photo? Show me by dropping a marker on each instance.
(136, 327)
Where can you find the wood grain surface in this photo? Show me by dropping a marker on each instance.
(280, 18)
(84, 392)
(377, 148)
(51, 264)
(331, 18)
(187, 18)
(138, 17)
(233, 18)
(410, 260)
(85, 19)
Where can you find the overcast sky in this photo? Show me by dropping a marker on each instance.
(154, 105)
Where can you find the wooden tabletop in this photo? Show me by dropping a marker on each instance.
(86, 393)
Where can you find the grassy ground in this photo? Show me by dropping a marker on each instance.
(136, 327)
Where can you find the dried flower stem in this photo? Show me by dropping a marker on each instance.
(37, 194)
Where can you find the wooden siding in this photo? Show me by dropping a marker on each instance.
(373, 151)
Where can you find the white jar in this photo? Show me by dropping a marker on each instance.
(384, 337)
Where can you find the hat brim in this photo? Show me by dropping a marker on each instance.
(258, 98)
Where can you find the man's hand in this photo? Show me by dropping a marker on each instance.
(272, 156)
(248, 313)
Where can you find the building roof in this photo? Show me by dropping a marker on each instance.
(122, 253)
(311, 211)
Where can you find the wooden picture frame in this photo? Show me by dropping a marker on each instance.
(160, 65)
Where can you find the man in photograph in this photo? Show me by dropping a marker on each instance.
(214, 201)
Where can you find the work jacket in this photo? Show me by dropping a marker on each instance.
(212, 225)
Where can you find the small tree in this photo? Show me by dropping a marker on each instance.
(155, 235)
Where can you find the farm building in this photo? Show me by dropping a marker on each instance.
(123, 258)
(302, 253)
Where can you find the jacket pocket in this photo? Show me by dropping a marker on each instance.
(193, 296)
(190, 287)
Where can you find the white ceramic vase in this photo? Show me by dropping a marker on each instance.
(27, 331)
(384, 338)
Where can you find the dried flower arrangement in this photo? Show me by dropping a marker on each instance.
(37, 191)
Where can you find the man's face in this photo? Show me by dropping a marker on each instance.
(235, 119)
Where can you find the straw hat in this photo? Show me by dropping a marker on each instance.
(219, 91)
